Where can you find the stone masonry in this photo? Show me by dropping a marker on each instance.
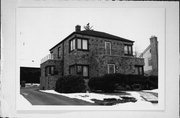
(94, 57)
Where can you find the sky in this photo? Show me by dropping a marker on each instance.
(39, 29)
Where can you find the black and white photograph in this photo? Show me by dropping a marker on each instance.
(61, 57)
(89, 56)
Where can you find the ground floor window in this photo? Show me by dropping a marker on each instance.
(111, 68)
(139, 70)
(49, 70)
(77, 69)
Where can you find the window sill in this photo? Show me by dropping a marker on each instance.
(82, 50)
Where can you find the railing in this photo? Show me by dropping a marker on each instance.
(48, 57)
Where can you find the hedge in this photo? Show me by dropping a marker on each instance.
(110, 82)
(70, 84)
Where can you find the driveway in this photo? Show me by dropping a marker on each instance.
(36, 97)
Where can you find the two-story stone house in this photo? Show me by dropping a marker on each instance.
(89, 53)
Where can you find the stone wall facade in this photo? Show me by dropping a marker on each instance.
(48, 81)
(95, 58)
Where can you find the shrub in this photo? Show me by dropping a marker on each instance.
(110, 82)
(70, 84)
(153, 82)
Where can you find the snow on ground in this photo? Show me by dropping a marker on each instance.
(139, 103)
(88, 96)
(84, 96)
(154, 90)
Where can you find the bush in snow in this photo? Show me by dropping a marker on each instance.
(70, 84)
(153, 82)
(111, 82)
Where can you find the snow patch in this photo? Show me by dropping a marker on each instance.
(154, 90)
(84, 96)
(89, 96)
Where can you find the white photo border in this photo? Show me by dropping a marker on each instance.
(7, 82)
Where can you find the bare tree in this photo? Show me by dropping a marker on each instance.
(88, 27)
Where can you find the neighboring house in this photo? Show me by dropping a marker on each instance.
(89, 53)
(29, 75)
(150, 55)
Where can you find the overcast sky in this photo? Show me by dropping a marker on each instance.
(39, 29)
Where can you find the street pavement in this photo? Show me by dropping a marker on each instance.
(36, 97)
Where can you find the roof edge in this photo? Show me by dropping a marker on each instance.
(125, 40)
(62, 40)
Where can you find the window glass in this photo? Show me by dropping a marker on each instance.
(79, 43)
(108, 48)
(84, 44)
(111, 68)
(130, 51)
(79, 69)
(85, 71)
(126, 49)
(71, 45)
(52, 70)
(72, 70)
(139, 70)
(74, 44)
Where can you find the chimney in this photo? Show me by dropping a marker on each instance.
(154, 54)
(153, 39)
(78, 28)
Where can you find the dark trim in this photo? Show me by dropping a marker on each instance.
(123, 40)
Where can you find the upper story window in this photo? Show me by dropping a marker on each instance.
(80, 44)
(111, 68)
(128, 49)
(72, 44)
(108, 48)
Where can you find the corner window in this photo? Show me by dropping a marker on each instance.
(108, 48)
(72, 45)
(111, 68)
(82, 70)
(82, 44)
(79, 70)
(139, 70)
(128, 50)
